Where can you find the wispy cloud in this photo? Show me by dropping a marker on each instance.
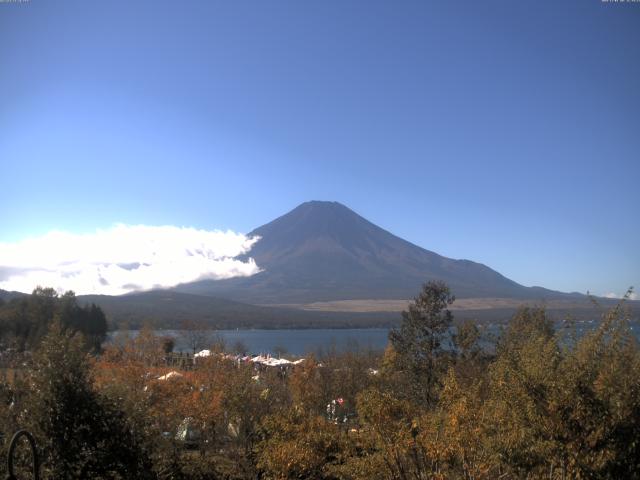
(123, 259)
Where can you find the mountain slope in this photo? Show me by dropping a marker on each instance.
(324, 251)
(6, 295)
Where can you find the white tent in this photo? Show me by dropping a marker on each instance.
(276, 362)
(169, 375)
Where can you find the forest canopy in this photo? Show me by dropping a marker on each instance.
(542, 404)
(25, 320)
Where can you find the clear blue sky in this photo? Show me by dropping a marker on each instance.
(506, 132)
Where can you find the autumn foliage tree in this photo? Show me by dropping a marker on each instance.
(543, 403)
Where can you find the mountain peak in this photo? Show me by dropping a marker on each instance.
(322, 203)
(312, 221)
(323, 250)
(317, 206)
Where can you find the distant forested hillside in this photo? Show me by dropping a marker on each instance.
(25, 319)
(168, 309)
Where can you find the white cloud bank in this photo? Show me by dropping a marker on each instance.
(123, 259)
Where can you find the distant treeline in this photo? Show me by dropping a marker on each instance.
(164, 309)
(24, 320)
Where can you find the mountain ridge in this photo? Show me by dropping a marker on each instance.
(323, 251)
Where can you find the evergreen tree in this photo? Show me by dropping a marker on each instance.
(83, 435)
(26, 320)
(418, 341)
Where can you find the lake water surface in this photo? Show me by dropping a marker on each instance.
(304, 341)
(293, 341)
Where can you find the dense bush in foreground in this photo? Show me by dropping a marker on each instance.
(543, 405)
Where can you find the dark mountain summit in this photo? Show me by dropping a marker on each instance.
(324, 251)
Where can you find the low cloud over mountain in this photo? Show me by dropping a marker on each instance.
(124, 259)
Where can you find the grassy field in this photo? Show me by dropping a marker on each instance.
(372, 305)
(481, 310)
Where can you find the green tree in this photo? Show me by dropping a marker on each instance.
(418, 341)
(466, 340)
(25, 320)
(90, 320)
(83, 434)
